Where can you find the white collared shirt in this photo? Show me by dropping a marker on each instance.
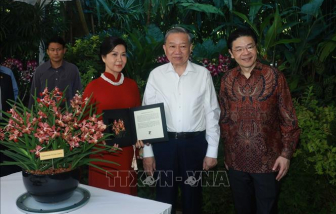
(190, 102)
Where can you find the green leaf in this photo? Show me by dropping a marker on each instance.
(326, 48)
(105, 6)
(22, 161)
(199, 51)
(208, 49)
(155, 33)
(286, 41)
(312, 7)
(221, 3)
(272, 32)
(205, 8)
(244, 17)
(209, 45)
(316, 30)
(293, 82)
(228, 3)
(255, 6)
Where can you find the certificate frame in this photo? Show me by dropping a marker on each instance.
(136, 125)
(160, 126)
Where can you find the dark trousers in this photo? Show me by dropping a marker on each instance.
(254, 193)
(179, 163)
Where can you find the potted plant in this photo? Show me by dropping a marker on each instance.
(51, 140)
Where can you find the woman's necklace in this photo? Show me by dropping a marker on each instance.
(111, 82)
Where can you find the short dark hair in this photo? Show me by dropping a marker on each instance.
(110, 43)
(56, 39)
(239, 33)
(177, 30)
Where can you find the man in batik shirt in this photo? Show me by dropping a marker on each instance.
(258, 125)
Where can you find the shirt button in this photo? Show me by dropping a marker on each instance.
(56, 71)
(56, 79)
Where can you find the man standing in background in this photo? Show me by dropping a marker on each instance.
(56, 72)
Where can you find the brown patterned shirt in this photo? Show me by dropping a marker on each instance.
(258, 121)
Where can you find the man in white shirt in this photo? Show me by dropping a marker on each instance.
(192, 115)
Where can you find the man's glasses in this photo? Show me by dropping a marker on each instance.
(249, 48)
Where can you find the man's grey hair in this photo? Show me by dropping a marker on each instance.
(177, 30)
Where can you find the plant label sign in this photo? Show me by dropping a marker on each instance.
(52, 154)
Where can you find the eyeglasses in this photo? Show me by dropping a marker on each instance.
(249, 48)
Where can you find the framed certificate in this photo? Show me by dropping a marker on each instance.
(146, 123)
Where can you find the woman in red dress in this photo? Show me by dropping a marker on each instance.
(114, 91)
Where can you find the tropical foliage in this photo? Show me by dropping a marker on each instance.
(25, 27)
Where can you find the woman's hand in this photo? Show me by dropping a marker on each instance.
(139, 144)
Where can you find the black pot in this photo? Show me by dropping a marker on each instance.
(51, 188)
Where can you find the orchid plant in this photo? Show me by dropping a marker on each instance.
(217, 66)
(47, 126)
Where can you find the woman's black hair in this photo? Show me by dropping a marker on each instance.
(110, 43)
